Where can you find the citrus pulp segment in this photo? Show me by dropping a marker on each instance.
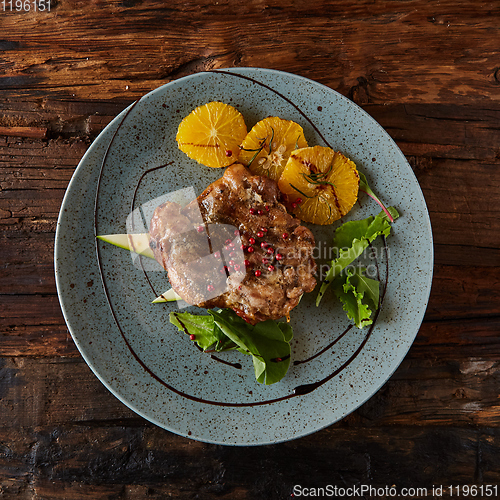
(211, 134)
(320, 184)
(268, 145)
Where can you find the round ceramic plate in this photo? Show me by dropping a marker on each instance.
(152, 367)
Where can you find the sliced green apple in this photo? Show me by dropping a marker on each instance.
(138, 243)
(168, 296)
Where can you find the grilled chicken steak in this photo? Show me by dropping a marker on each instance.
(236, 247)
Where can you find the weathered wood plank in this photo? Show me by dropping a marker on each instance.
(462, 291)
(44, 391)
(458, 255)
(34, 175)
(80, 462)
(427, 71)
(32, 325)
(37, 340)
(454, 338)
(29, 310)
(442, 131)
(28, 260)
(423, 392)
(461, 318)
(32, 132)
(464, 200)
(464, 213)
(426, 392)
(364, 49)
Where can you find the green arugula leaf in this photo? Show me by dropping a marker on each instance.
(352, 239)
(206, 335)
(359, 296)
(268, 342)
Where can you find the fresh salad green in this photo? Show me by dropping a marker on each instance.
(365, 188)
(268, 342)
(357, 292)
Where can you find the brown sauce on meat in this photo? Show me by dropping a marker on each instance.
(300, 390)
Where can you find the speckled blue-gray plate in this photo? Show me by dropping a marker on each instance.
(130, 344)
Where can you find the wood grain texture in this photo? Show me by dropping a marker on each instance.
(422, 392)
(428, 72)
(122, 461)
(468, 325)
(378, 52)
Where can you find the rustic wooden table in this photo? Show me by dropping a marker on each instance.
(429, 72)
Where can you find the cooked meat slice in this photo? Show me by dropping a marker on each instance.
(236, 246)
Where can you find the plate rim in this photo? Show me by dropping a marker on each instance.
(60, 285)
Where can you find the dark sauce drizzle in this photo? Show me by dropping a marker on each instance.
(132, 208)
(275, 92)
(212, 356)
(329, 346)
(299, 390)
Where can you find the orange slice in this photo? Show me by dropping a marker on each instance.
(320, 185)
(211, 134)
(268, 145)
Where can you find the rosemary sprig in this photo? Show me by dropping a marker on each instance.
(320, 198)
(299, 191)
(271, 141)
(257, 151)
(316, 181)
(318, 178)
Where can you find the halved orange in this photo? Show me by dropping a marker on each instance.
(268, 145)
(320, 184)
(211, 134)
